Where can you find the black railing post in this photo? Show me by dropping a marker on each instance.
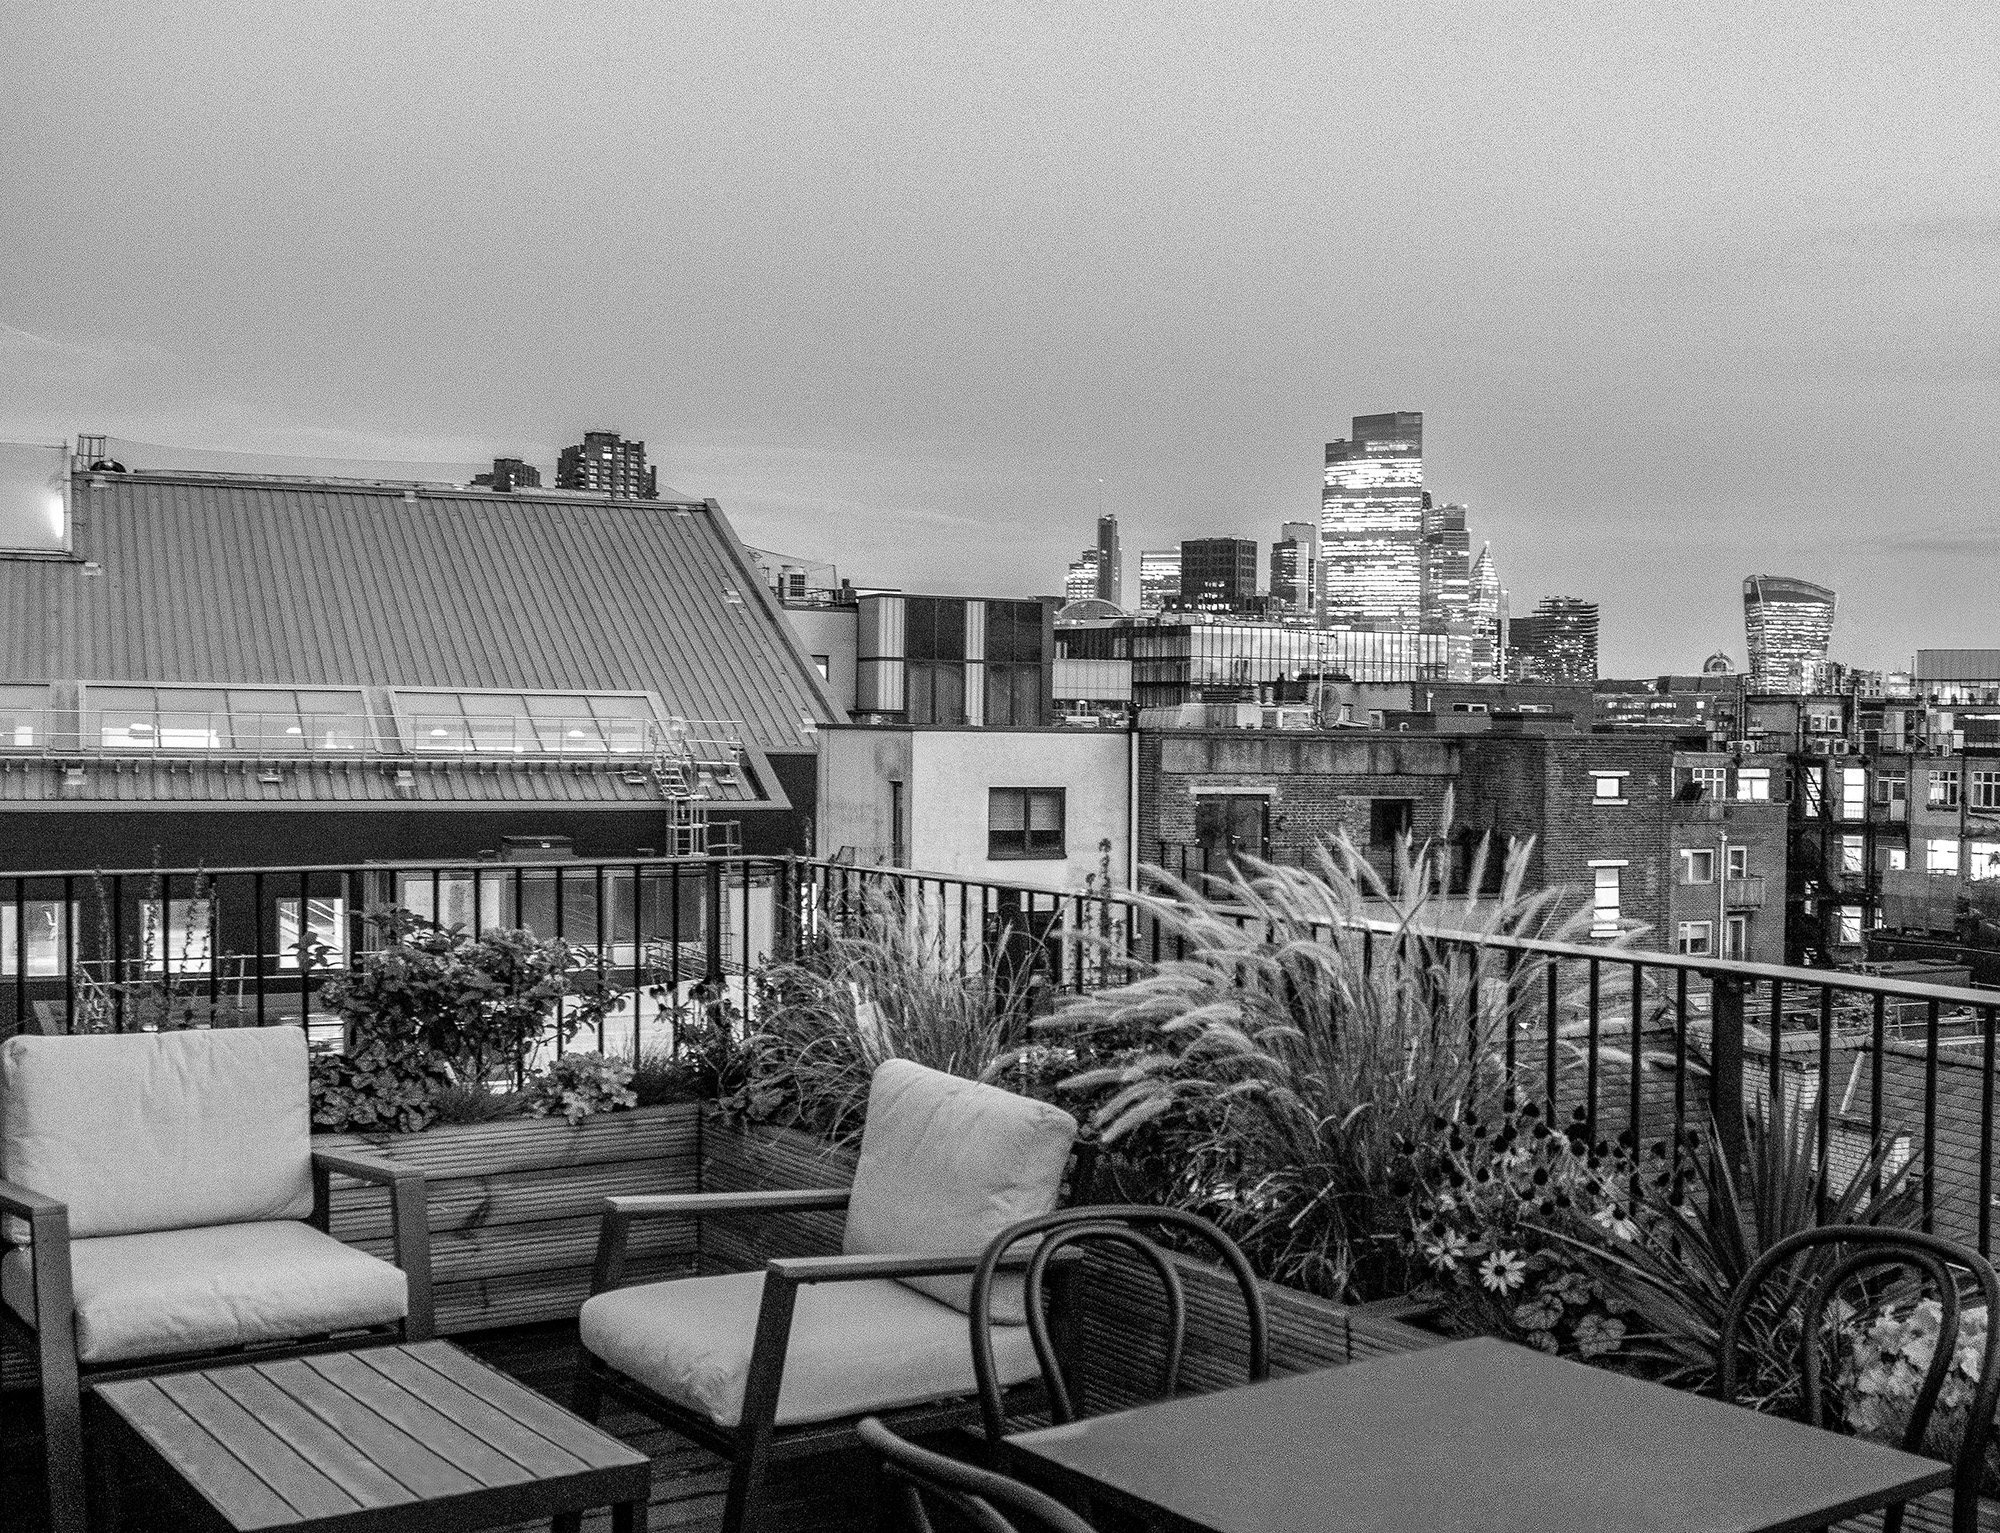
(1725, 1072)
(712, 917)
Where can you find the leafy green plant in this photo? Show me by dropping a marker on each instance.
(1275, 1069)
(886, 986)
(460, 1103)
(379, 1084)
(578, 1085)
(1694, 1226)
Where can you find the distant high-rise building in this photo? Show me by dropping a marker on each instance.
(1082, 582)
(1110, 571)
(1788, 624)
(1159, 578)
(1555, 642)
(1219, 574)
(1295, 567)
(1446, 563)
(510, 474)
(607, 464)
(1486, 608)
(1372, 520)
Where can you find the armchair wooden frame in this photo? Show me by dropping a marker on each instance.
(757, 1441)
(51, 1338)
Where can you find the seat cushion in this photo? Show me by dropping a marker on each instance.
(855, 1347)
(182, 1291)
(946, 1164)
(159, 1131)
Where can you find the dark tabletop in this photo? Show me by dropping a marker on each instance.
(1480, 1436)
(376, 1437)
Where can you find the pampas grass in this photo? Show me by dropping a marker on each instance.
(1305, 1037)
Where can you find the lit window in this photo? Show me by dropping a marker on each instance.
(49, 934)
(1853, 855)
(1697, 938)
(1899, 860)
(1753, 785)
(1941, 854)
(174, 936)
(326, 929)
(1847, 922)
(1024, 823)
(1853, 793)
(527, 723)
(1698, 866)
(1604, 901)
(1982, 860)
(267, 720)
(1608, 787)
(1943, 790)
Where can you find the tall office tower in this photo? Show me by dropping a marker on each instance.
(1788, 624)
(1486, 608)
(1082, 582)
(1159, 578)
(1110, 571)
(1372, 520)
(1219, 574)
(606, 463)
(1295, 566)
(1446, 561)
(1556, 642)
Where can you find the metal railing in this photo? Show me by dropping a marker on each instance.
(1643, 1044)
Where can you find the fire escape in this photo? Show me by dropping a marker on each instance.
(692, 761)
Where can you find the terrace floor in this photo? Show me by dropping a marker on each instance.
(831, 1494)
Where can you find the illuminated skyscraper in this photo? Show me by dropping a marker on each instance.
(1083, 580)
(1787, 624)
(1159, 578)
(1295, 567)
(1555, 642)
(1486, 607)
(1372, 520)
(1110, 572)
(1447, 549)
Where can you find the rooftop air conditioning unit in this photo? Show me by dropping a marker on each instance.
(1816, 747)
(1838, 747)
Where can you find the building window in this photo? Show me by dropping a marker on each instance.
(1899, 860)
(325, 938)
(1739, 862)
(1983, 860)
(1986, 790)
(1697, 938)
(1024, 823)
(1853, 855)
(824, 665)
(1941, 854)
(1753, 785)
(1854, 793)
(1892, 787)
(1710, 781)
(1847, 924)
(174, 936)
(1605, 882)
(1736, 937)
(1943, 790)
(1698, 866)
(49, 927)
(1607, 787)
(899, 838)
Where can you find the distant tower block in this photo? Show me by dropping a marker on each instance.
(1788, 624)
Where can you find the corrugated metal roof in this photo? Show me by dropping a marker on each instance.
(220, 580)
(315, 784)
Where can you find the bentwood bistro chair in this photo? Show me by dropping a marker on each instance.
(784, 1362)
(164, 1209)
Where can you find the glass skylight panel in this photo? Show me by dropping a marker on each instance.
(257, 720)
(24, 716)
(528, 723)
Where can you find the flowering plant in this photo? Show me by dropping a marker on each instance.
(578, 1085)
(1488, 1197)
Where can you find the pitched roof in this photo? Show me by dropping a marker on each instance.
(207, 578)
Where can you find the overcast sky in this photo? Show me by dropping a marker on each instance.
(1684, 292)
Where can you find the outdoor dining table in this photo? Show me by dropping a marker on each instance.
(1481, 1436)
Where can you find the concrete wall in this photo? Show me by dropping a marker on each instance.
(856, 766)
(829, 631)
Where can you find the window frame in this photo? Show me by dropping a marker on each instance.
(1615, 777)
(1982, 788)
(1026, 850)
(1689, 857)
(1751, 778)
(1696, 931)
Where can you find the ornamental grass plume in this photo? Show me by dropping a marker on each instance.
(1307, 1033)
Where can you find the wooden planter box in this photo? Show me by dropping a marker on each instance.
(515, 1206)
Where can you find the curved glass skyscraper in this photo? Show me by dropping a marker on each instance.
(1787, 626)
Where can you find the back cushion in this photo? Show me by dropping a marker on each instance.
(947, 1164)
(159, 1131)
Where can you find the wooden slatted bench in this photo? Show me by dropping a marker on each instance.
(403, 1439)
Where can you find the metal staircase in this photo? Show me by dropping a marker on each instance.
(690, 758)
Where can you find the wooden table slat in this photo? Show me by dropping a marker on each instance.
(485, 1420)
(535, 1412)
(186, 1447)
(343, 1463)
(421, 1421)
(277, 1463)
(418, 1468)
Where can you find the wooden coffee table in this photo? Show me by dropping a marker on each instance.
(408, 1439)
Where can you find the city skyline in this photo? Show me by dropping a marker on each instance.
(1590, 312)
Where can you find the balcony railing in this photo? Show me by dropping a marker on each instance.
(1871, 1057)
(1744, 893)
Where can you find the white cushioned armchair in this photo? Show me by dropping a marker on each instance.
(785, 1362)
(164, 1207)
